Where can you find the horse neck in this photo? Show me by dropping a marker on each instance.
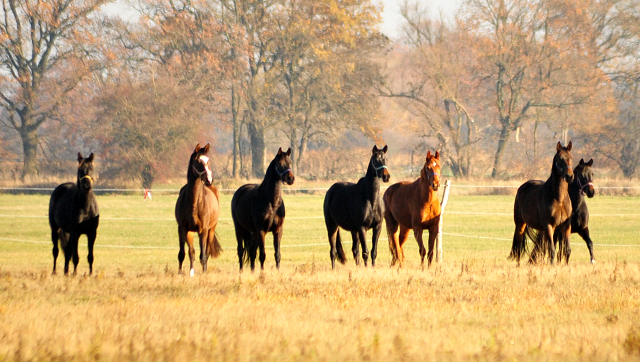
(84, 197)
(271, 186)
(558, 186)
(371, 184)
(575, 193)
(195, 187)
(427, 194)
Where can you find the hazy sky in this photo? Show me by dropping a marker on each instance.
(391, 13)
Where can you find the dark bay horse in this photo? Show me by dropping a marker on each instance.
(544, 205)
(259, 209)
(414, 205)
(581, 185)
(73, 211)
(197, 210)
(357, 208)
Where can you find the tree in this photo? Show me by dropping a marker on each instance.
(45, 51)
(537, 53)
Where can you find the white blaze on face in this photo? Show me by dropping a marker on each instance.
(205, 162)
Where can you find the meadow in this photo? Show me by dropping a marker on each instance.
(476, 305)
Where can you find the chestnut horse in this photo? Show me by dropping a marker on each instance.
(259, 209)
(197, 210)
(544, 206)
(357, 208)
(414, 205)
(582, 185)
(73, 211)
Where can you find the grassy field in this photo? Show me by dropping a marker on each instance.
(476, 305)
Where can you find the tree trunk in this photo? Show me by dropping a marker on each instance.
(302, 150)
(294, 152)
(235, 104)
(29, 136)
(502, 146)
(257, 150)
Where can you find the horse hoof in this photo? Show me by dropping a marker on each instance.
(191, 273)
(593, 261)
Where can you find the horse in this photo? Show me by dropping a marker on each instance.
(581, 185)
(197, 211)
(414, 205)
(544, 205)
(73, 211)
(259, 209)
(357, 208)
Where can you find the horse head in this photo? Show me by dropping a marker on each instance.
(431, 171)
(562, 162)
(283, 167)
(379, 163)
(199, 165)
(584, 177)
(85, 172)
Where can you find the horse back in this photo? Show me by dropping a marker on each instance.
(347, 206)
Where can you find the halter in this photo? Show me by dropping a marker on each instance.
(283, 172)
(376, 169)
(86, 176)
(581, 187)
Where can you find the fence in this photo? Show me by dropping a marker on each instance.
(439, 246)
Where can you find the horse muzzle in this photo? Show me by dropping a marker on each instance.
(568, 177)
(590, 190)
(288, 178)
(386, 176)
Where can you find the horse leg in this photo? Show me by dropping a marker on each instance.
(240, 238)
(182, 237)
(332, 233)
(374, 243)
(204, 252)
(402, 238)
(91, 237)
(263, 254)
(566, 235)
(192, 253)
(417, 233)
(355, 247)
(549, 237)
(54, 239)
(518, 246)
(584, 233)
(73, 242)
(433, 234)
(277, 236)
(66, 249)
(362, 236)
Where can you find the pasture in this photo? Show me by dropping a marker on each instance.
(476, 305)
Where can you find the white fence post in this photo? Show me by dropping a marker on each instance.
(443, 205)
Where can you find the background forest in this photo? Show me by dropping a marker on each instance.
(140, 83)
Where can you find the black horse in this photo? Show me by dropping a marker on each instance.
(582, 185)
(73, 211)
(259, 209)
(544, 206)
(357, 208)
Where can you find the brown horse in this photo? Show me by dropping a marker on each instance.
(197, 210)
(414, 205)
(544, 206)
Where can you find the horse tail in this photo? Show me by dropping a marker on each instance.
(519, 248)
(342, 257)
(215, 249)
(540, 248)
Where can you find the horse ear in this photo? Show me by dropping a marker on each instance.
(581, 163)
(280, 151)
(559, 146)
(384, 150)
(590, 163)
(197, 148)
(289, 152)
(375, 149)
(428, 155)
(206, 148)
(437, 155)
(569, 146)
(90, 158)
(79, 157)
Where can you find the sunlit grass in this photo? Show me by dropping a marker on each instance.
(477, 305)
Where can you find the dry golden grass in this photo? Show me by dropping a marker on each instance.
(456, 311)
(475, 306)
